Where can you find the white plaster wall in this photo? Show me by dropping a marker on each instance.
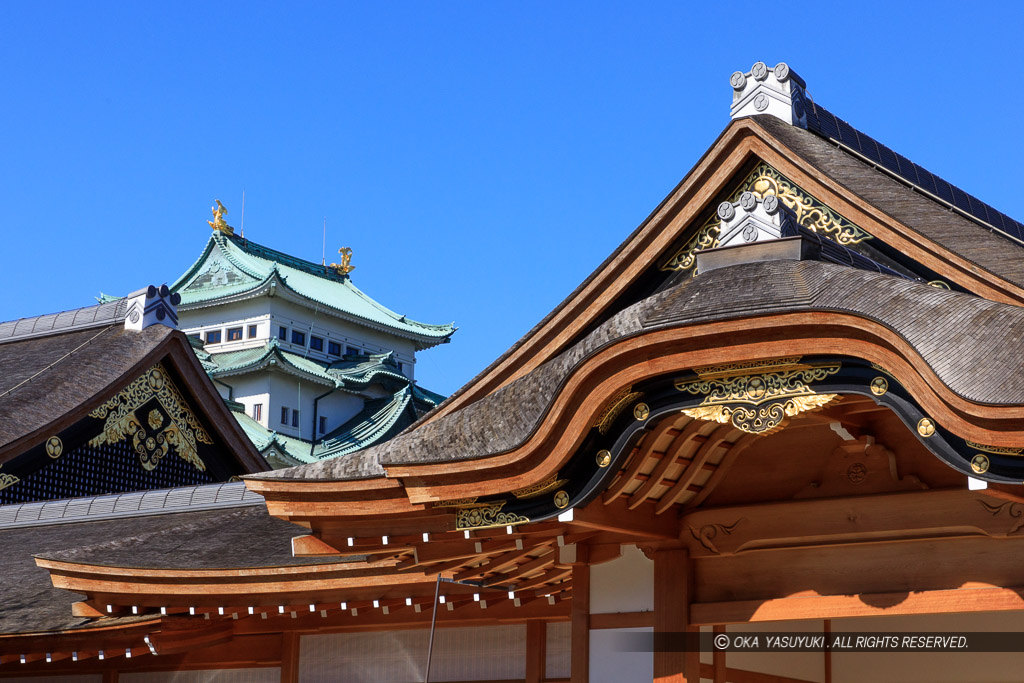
(498, 653)
(239, 314)
(260, 675)
(558, 651)
(288, 390)
(626, 584)
(338, 408)
(612, 659)
(331, 328)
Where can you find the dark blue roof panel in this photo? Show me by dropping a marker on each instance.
(826, 124)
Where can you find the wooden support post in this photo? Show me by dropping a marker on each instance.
(290, 657)
(110, 676)
(672, 596)
(718, 659)
(828, 650)
(581, 616)
(536, 651)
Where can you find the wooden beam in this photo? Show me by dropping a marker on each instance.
(536, 651)
(290, 657)
(671, 603)
(728, 460)
(716, 440)
(672, 455)
(718, 659)
(618, 518)
(863, 605)
(580, 638)
(639, 457)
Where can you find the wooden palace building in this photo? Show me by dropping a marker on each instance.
(792, 401)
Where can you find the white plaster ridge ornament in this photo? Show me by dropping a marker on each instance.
(778, 92)
(152, 306)
(750, 220)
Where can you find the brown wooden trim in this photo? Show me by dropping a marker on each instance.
(863, 605)
(671, 598)
(580, 638)
(290, 646)
(719, 674)
(621, 620)
(743, 676)
(536, 651)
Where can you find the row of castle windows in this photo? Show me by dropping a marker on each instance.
(298, 338)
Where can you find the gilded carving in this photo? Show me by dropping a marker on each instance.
(879, 386)
(616, 404)
(172, 424)
(456, 502)
(641, 411)
(748, 367)
(758, 403)
(534, 490)
(486, 516)
(603, 457)
(345, 267)
(980, 463)
(707, 534)
(7, 480)
(561, 500)
(925, 427)
(54, 447)
(218, 223)
(764, 181)
(998, 450)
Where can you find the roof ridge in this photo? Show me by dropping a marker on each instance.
(71, 320)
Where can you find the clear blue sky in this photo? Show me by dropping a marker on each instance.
(480, 158)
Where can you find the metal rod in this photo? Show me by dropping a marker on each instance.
(433, 623)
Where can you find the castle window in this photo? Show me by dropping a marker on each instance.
(295, 418)
(213, 337)
(316, 343)
(284, 415)
(282, 333)
(334, 348)
(298, 338)
(234, 334)
(323, 424)
(352, 351)
(257, 411)
(252, 331)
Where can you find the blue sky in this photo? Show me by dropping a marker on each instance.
(480, 158)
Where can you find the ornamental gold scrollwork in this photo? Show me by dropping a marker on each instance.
(7, 480)
(758, 404)
(171, 423)
(614, 407)
(486, 516)
(455, 502)
(763, 181)
(998, 450)
(534, 490)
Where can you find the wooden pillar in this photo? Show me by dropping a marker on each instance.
(290, 657)
(673, 579)
(718, 659)
(828, 650)
(110, 676)
(536, 651)
(581, 616)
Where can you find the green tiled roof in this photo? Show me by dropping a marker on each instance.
(353, 373)
(231, 265)
(377, 422)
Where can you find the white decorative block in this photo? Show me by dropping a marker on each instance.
(777, 92)
(152, 306)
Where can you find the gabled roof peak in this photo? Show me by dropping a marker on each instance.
(778, 92)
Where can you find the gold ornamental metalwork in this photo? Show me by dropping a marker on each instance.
(486, 516)
(54, 447)
(7, 480)
(641, 411)
(614, 407)
(603, 458)
(748, 367)
(456, 502)
(218, 223)
(534, 490)
(925, 427)
(997, 450)
(561, 500)
(172, 424)
(879, 386)
(980, 463)
(763, 181)
(345, 267)
(758, 404)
